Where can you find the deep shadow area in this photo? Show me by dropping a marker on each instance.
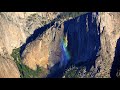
(116, 63)
(83, 35)
(56, 72)
(83, 39)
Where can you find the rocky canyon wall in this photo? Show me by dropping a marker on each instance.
(90, 39)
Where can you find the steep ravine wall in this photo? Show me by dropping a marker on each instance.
(110, 33)
(91, 38)
(83, 35)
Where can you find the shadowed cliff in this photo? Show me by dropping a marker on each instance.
(83, 35)
(116, 63)
(83, 39)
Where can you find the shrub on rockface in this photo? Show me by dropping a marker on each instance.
(25, 71)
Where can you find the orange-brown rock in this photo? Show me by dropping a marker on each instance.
(45, 50)
(8, 68)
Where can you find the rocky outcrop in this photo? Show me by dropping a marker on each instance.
(91, 40)
(45, 50)
(110, 33)
(15, 28)
(11, 36)
(8, 68)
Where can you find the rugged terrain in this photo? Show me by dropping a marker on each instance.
(55, 41)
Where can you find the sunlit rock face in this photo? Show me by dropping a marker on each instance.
(110, 34)
(83, 35)
(16, 27)
(45, 50)
(8, 68)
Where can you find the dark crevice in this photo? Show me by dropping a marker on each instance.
(83, 44)
(55, 71)
(116, 63)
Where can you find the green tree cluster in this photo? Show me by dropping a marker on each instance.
(25, 71)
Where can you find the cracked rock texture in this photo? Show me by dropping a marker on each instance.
(15, 28)
(45, 50)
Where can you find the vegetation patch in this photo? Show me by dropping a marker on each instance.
(25, 71)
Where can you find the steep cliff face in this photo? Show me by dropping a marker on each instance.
(93, 42)
(11, 36)
(45, 50)
(8, 68)
(110, 33)
(54, 39)
(83, 37)
(15, 28)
